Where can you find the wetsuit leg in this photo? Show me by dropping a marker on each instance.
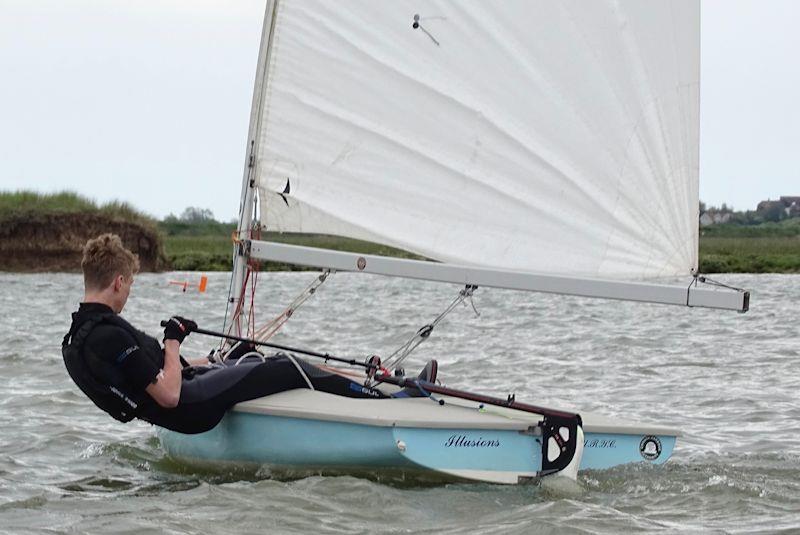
(210, 392)
(207, 395)
(320, 379)
(333, 383)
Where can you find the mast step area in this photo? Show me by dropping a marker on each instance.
(688, 295)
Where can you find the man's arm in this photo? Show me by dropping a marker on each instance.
(166, 390)
(199, 361)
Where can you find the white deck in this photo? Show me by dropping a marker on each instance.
(422, 412)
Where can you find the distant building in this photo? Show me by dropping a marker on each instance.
(792, 205)
(788, 204)
(714, 218)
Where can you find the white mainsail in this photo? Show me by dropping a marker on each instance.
(556, 137)
(552, 145)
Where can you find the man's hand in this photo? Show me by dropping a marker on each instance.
(178, 328)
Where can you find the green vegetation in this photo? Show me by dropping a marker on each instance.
(214, 252)
(750, 255)
(730, 248)
(18, 202)
(770, 247)
(195, 241)
(22, 203)
(199, 253)
(737, 247)
(769, 229)
(749, 243)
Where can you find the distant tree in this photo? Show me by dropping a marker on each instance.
(774, 212)
(702, 207)
(193, 214)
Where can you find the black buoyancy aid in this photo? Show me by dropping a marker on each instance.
(86, 369)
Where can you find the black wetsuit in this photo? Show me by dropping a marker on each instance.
(131, 362)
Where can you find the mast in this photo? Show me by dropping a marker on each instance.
(247, 205)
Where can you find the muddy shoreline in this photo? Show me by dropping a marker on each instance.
(36, 242)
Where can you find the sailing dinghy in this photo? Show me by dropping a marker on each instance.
(528, 145)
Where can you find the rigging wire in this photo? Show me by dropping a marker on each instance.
(400, 354)
(697, 278)
(269, 329)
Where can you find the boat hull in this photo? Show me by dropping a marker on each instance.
(290, 432)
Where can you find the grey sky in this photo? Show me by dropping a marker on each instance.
(147, 101)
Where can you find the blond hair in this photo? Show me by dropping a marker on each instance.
(104, 257)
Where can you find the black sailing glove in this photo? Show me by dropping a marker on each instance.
(178, 328)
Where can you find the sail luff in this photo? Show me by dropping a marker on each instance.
(249, 187)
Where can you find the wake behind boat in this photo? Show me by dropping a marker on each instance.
(532, 146)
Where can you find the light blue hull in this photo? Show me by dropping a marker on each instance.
(499, 455)
(606, 450)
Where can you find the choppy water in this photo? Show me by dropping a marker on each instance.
(730, 381)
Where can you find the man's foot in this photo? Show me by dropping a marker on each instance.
(428, 375)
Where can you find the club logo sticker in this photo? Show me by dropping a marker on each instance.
(361, 263)
(650, 447)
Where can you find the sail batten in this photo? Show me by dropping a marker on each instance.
(542, 136)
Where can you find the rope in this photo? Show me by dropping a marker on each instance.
(250, 354)
(711, 282)
(301, 372)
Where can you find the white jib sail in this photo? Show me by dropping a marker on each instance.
(554, 137)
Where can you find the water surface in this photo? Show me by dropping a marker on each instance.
(728, 380)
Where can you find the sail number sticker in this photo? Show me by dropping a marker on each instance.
(650, 447)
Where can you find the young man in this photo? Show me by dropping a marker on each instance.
(128, 374)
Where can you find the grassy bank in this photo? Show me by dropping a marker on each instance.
(213, 253)
(726, 250)
(765, 248)
(23, 203)
(30, 219)
(718, 254)
(750, 255)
